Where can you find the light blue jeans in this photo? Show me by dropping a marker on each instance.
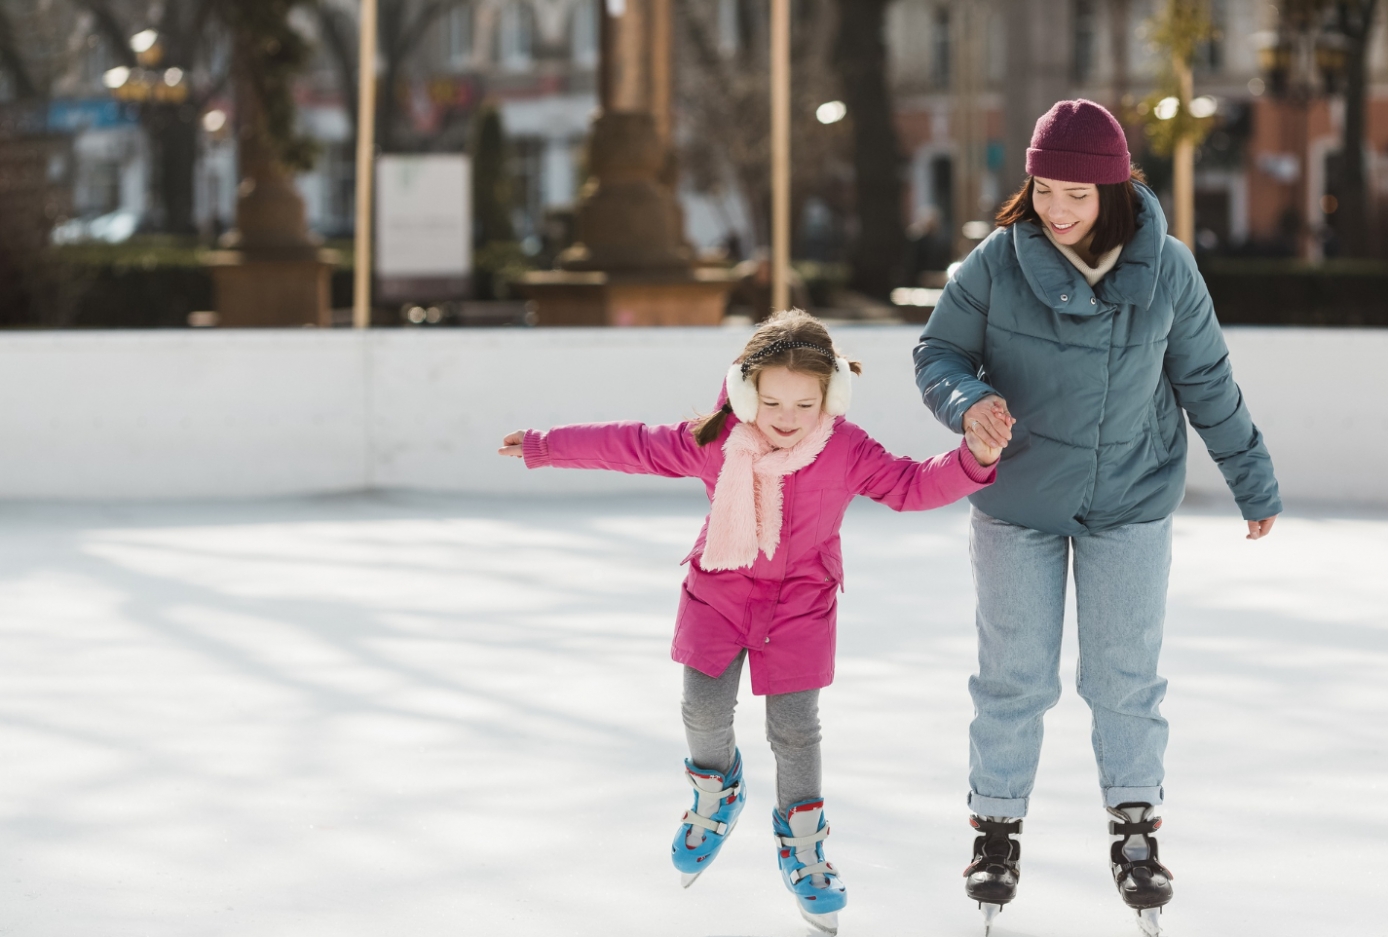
(1020, 576)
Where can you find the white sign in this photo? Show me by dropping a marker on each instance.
(424, 216)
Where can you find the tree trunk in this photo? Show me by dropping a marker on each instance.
(1353, 220)
(270, 215)
(861, 57)
(174, 134)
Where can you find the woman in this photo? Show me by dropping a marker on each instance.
(1075, 336)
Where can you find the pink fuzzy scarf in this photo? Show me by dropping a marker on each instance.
(746, 511)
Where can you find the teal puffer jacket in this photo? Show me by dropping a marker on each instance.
(1096, 377)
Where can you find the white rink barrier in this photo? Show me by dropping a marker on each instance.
(211, 414)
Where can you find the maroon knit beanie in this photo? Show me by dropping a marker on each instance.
(1079, 141)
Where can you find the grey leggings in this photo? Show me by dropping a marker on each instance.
(792, 728)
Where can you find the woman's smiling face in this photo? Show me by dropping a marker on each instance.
(1068, 209)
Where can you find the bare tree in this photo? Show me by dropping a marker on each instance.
(861, 57)
(722, 86)
(11, 61)
(1339, 32)
(33, 53)
(1355, 21)
(403, 26)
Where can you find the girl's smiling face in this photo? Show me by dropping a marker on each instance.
(789, 405)
(1068, 209)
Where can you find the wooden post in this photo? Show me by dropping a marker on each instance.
(1183, 165)
(659, 70)
(366, 165)
(780, 154)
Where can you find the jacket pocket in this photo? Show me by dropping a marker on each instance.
(1163, 403)
(833, 565)
(1154, 431)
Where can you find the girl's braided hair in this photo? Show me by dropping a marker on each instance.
(791, 339)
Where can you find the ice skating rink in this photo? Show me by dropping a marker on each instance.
(414, 715)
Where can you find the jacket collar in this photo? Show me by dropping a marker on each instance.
(1132, 281)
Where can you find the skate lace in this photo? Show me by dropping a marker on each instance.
(1129, 829)
(796, 842)
(1123, 867)
(995, 848)
(714, 799)
(820, 868)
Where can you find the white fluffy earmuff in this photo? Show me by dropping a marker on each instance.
(742, 393)
(840, 389)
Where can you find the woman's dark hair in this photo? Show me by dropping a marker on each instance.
(787, 326)
(1117, 221)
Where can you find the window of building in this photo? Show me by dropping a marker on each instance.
(729, 31)
(515, 36)
(1086, 32)
(96, 60)
(458, 35)
(527, 171)
(583, 33)
(98, 187)
(997, 47)
(940, 64)
(1209, 55)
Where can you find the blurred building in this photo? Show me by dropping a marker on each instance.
(537, 61)
(970, 77)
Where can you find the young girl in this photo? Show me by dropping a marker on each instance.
(781, 465)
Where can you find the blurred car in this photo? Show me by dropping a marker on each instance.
(111, 228)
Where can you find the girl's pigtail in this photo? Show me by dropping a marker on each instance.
(710, 427)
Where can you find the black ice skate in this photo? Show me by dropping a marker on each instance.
(991, 878)
(1143, 882)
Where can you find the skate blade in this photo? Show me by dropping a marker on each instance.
(1149, 919)
(824, 923)
(990, 912)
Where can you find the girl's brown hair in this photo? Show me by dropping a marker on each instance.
(1117, 221)
(790, 325)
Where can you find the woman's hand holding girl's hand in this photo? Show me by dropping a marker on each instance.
(512, 445)
(1259, 529)
(991, 421)
(984, 453)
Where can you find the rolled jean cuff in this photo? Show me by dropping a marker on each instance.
(997, 806)
(1113, 796)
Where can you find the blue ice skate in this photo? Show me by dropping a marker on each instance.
(718, 799)
(817, 887)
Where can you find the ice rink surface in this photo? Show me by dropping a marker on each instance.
(409, 715)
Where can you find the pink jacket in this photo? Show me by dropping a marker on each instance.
(782, 610)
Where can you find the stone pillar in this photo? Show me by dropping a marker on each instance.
(272, 271)
(631, 264)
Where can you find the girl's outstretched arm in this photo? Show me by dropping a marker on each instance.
(904, 484)
(634, 448)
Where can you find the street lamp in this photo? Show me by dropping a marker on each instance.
(146, 81)
(831, 112)
(1276, 59)
(145, 44)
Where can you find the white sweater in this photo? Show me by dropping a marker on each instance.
(1093, 274)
